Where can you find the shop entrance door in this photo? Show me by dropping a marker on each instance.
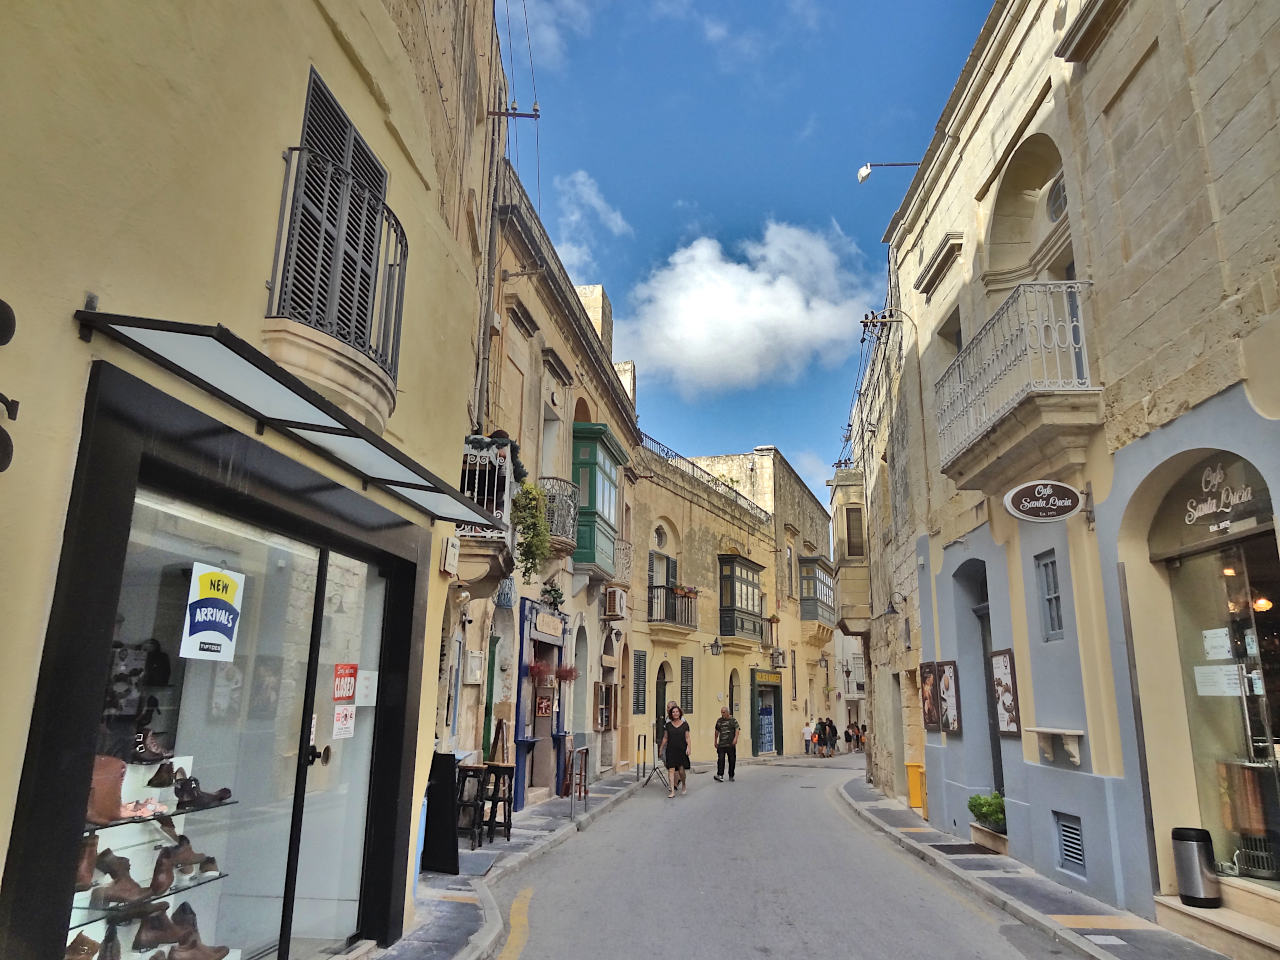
(331, 838)
(766, 721)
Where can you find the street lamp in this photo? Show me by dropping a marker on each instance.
(716, 647)
(891, 610)
(864, 171)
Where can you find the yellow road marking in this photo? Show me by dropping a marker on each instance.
(916, 829)
(1097, 921)
(459, 897)
(518, 921)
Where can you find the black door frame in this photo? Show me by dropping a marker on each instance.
(123, 447)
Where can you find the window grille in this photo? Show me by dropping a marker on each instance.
(686, 685)
(855, 546)
(1050, 595)
(1070, 842)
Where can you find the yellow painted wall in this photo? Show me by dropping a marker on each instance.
(142, 161)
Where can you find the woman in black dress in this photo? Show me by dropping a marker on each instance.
(675, 749)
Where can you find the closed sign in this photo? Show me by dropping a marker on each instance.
(1043, 501)
(344, 681)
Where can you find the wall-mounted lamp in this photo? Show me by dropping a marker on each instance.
(715, 646)
(891, 610)
(864, 171)
(823, 662)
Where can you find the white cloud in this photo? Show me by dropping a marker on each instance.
(732, 48)
(550, 24)
(813, 469)
(708, 321)
(583, 209)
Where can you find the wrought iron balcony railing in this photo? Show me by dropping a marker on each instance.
(622, 562)
(487, 481)
(666, 607)
(562, 507)
(340, 258)
(1034, 343)
(692, 469)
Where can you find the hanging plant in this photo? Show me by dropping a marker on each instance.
(529, 516)
(565, 674)
(552, 595)
(539, 671)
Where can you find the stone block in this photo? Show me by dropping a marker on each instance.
(1231, 135)
(1216, 371)
(1208, 36)
(1241, 180)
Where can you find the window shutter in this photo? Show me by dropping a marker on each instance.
(671, 572)
(855, 549)
(651, 556)
(638, 680)
(615, 707)
(686, 684)
(597, 689)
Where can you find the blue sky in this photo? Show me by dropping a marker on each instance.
(699, 159)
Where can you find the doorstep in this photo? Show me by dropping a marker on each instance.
(1228, 931)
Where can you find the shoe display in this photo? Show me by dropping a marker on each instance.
(155, 931)
(147, 749)
(104, 790)
(185, 858)
(162, 875)
(88, 857)
(163, 777)
(191, 948)
(184, 918)
(138, 809)
(165, 823)
(110, 944)
(209, 865)
(191, 797)
(122, 888)
(81, 948)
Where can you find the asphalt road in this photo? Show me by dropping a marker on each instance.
(772, 865)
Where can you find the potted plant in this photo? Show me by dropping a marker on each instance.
(540, 673)
(682, 591)
(529, 517)
(989, 830)
(552, 595)
(566, 674)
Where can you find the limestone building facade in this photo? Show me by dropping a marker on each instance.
(1083, 290)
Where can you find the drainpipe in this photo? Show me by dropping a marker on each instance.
(480, 397)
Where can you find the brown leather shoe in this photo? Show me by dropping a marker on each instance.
(185, 857)
(190, 948)
(88, 857)
(122, 888)
(162, 875)
(191, 797)
(165, 823)
(209, 865)
(104, 791)
(163, 777)
(81, 948)
(110, 944)
(156, 930)
(147, 749)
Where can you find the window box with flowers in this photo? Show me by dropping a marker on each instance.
(683, 591)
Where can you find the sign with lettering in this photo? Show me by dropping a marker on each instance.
(1219, 495)
(344, 721)
(768, 676)
(1043, 501)
(1217, 498)
(214, 602)
(344, 681)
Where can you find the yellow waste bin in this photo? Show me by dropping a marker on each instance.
(915, 785)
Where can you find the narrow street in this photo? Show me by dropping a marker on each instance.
(770, 865)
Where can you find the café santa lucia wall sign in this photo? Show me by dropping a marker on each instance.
(1219, 495)
(1043, 501)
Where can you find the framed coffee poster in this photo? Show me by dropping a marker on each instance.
(948, 696)
(929, 695)
(1004, 691)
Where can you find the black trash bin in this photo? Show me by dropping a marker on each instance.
(1193, 861)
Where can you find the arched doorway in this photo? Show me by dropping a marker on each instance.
(735, 692)
(623, 706)
(972, 670)
(582, 411)
(1201, 564)
(660, 697)
(607, 707)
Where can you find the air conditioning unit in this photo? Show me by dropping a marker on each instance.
(615, 603)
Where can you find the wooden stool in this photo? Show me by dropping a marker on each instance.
(502, 792)
(474, 804)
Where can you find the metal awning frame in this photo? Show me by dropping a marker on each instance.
(315, 422)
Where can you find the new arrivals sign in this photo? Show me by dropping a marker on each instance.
(213, 613)
(1043, 501)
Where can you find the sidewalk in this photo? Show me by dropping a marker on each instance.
(1089, 927)
(457, 916)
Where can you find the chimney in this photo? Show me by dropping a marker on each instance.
(600, 310)
(626, 371)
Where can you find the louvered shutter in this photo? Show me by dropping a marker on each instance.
(671, 572)
(638, 679)
(652, 555)
(615, 708)
(596, 691)
(686, 684)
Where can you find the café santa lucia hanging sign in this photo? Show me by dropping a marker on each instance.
(1043, 501)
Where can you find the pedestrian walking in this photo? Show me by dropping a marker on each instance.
(807, 734)
(833, 738)
(848, 739)
(727, 730)
(675, 748)
(821, 730)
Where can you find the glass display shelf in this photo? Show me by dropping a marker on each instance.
(120, 913)
(91, 828)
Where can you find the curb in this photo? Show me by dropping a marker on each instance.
(1015, 908)
(483, 943)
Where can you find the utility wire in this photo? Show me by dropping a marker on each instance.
(513, 130)
(533, 79)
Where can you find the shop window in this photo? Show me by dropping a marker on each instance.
(855, 546)
(741, 602)
(686, 685)
(1050, 595)
(641, 661)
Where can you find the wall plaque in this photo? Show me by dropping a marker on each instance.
(1043, 501)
